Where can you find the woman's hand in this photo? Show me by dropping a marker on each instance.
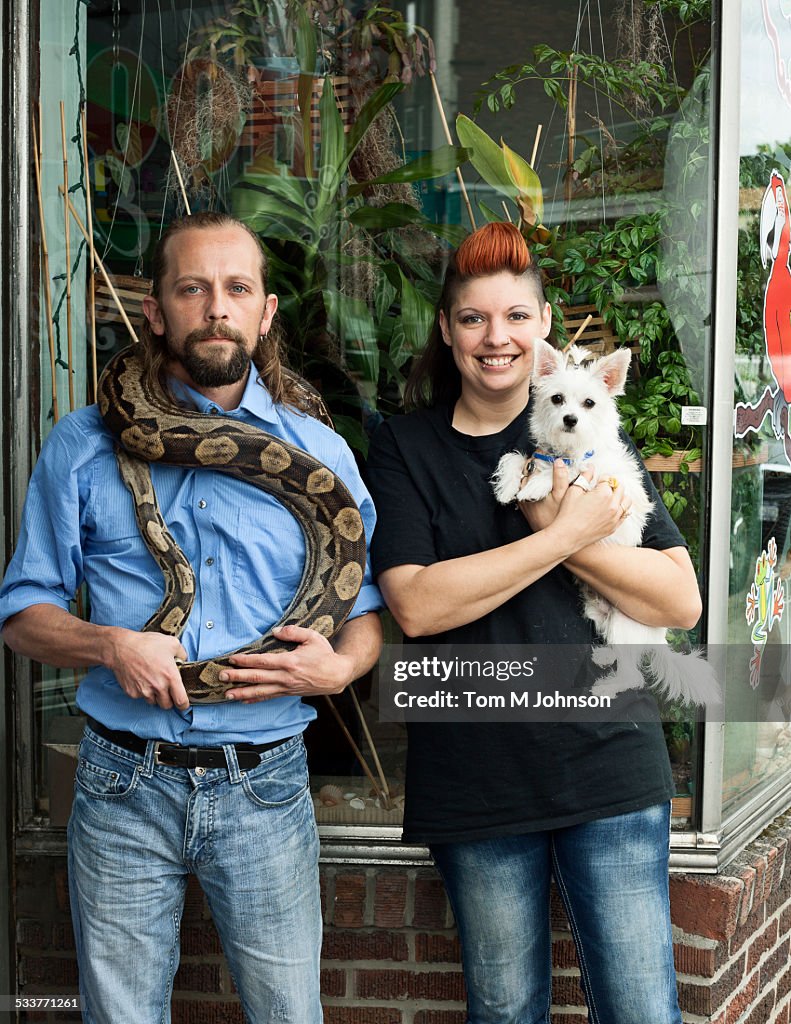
(577, 508)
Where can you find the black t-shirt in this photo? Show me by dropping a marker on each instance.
(432, 491)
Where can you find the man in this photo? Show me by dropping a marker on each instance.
(224, 793)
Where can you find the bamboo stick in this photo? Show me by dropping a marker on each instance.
(372, 747)
(505, 211)
(37, 156)
(578, 332)
(68, 253)
(571, 121)
(356, 750)
(103, 272)
(91, 252)
(446, 129)
(535, 146)
(174, 158)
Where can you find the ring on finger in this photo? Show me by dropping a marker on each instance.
(611, 481)
(625, 512)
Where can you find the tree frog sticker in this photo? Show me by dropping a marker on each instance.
(775, 248)
(765, 605)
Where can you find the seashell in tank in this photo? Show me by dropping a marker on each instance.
(357, 803)
(330, 795)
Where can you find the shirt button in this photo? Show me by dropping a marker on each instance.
(201, 503)
(210, 624)
(209, 561)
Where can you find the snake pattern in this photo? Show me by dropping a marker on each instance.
(150, 429)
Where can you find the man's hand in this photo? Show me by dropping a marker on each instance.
(145, 666)
(311, 669)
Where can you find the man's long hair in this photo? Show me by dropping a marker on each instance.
(267, 356)
(493, 248)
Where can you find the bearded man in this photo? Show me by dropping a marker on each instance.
(165, 789)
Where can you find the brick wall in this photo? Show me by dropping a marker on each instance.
(391, 955)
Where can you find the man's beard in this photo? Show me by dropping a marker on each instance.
(210, 365)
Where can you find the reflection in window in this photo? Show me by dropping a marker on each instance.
(252, 113)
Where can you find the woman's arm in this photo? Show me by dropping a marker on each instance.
(657, 588)
(426, 600)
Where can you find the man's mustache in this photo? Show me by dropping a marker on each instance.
(218, 330)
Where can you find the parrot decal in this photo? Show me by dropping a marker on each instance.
(765, 604)
(775, 247)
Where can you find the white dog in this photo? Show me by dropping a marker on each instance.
(574, 417)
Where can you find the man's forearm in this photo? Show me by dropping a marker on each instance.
(360, 640)
(50, 634)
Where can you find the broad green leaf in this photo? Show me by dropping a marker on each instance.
(436, 164)
(351, 320)
(351, 430)
(267, 214)
(417, 314)
(370, 110)
(526, 180)
(333, 148)
(305, 100)
(398, 215)
(491, 216)
(485, 156)
(305, 41)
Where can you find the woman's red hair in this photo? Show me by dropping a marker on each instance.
(491, 249)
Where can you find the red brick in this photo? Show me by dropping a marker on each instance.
(437, 949)
(341, 945)
(745, 932)
(761, 944)
(564, 954)
(33, 933)
(62, 890)
(784, 983)
(195, 908)
(390, 896)
(431, 904)
(197, 977)
(567, 990)
(761, 1013)
(202, 1011)
(785, 921)
(440, 1017)
(361, 1015)
(63, 936)
(742, 1000)
(706, 906)
(54, 972)
(200, 940)
(772, 967)
(557, 912)
(700, 961)
(565, 1018)
(350, 900)
(443, 986)
(333, 983)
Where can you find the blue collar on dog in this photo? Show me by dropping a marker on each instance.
(543, 457)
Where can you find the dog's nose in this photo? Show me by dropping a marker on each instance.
(569, 421)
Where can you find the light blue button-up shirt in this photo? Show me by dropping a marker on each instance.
(246, 549)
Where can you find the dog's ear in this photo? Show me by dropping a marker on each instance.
(612, 370)
(546, 359)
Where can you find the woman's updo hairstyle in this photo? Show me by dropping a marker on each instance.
(492, 249)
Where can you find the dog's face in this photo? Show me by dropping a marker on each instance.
(574, 398)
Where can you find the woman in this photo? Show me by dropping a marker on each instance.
(506, 806)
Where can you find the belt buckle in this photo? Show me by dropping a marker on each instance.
(157, 745)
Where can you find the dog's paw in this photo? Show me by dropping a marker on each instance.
(507, 478)
(603, 656)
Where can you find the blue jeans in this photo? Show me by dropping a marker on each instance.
(612, 875)
(138, 829)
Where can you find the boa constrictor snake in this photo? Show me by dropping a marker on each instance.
(150, 429)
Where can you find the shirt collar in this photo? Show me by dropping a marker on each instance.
(255, 401)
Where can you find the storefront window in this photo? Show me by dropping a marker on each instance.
(757, 750)
(250, 108)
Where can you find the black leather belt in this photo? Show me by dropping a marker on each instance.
(248, 755)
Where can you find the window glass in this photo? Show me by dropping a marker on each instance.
(757, 749)
(246, 106)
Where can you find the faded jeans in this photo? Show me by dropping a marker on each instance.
(612, 875)
(138, 829)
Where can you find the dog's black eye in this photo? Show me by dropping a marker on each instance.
(589, 403)
(557, 399)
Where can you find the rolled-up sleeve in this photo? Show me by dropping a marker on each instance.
(47, 566)
(369, 599)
